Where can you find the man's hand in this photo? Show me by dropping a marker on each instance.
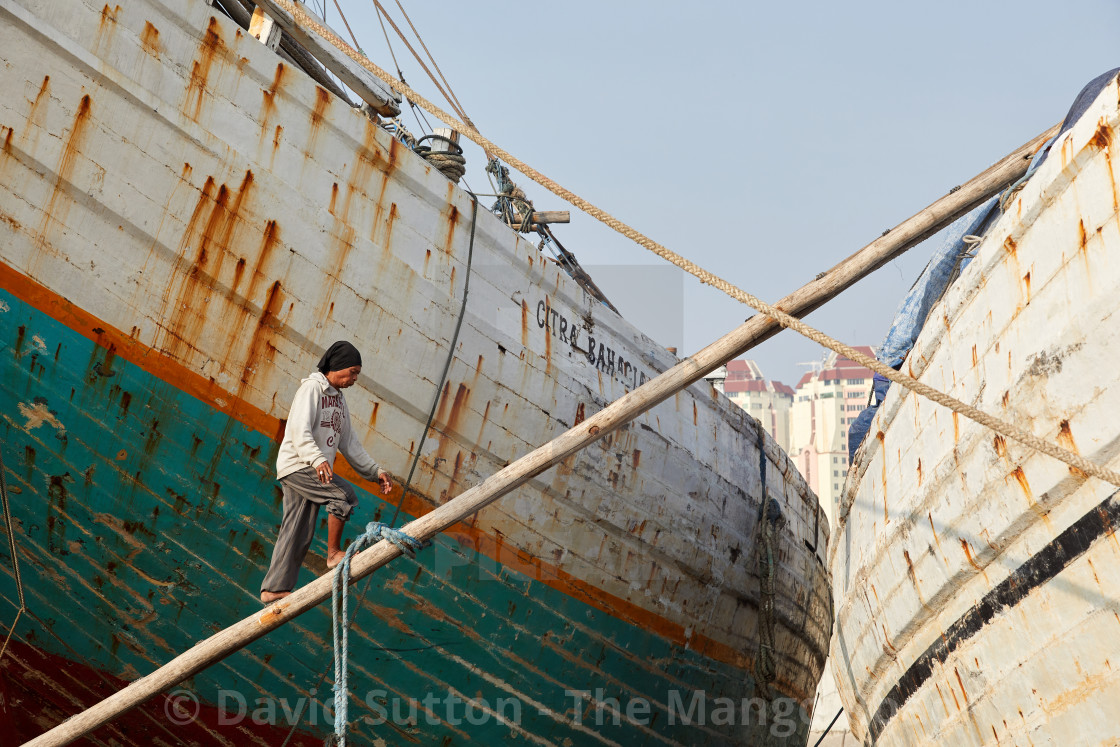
(325, 472)
(386, 481)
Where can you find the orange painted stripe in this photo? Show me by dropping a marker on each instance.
(174, 373)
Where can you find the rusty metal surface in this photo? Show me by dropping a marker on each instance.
(976, 581)
(172, 190)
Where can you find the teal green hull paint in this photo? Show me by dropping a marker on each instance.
(147, 526)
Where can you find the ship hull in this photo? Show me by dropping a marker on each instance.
(186, 222)
(976, 578)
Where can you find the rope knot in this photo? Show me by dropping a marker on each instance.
(377, 531)
(340, 610)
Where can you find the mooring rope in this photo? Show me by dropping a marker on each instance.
(451, 163)
(988, 421)
(340, 623)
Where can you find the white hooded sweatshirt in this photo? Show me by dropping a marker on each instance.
(318, 428)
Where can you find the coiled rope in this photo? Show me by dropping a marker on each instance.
(785, 320)
(451, 163)
(340, 625)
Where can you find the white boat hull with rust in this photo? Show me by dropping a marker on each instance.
(976, 579)
(186, 222)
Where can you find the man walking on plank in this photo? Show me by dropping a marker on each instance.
(318, 428)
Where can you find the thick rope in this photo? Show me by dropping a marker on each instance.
(451, 163)
(999, 426)
(340, 625)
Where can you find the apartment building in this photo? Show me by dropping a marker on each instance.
(825, 403)
(769, 402)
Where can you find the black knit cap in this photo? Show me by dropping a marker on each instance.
(339, 356)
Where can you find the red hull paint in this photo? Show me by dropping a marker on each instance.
(38, 691)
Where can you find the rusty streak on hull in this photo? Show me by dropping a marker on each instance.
(185, 223)
(1003, 628)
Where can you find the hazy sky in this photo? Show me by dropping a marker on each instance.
(763, 141)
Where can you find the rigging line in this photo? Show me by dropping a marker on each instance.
(829, 728)
(427, 426)
(460, 109)
(388, 43)
(579, 274)
(782, 318)
(416, 110)
(447, 363)
(345, 22)
(420, 61)
(400, 72)
(15, 557)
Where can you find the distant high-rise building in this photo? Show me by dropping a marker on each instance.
(768, 402)
(826, 402)
(811, 424)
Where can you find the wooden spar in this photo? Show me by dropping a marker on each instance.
(540, 218)
(359, 80)
(691, 369)
(264, 29)
(549, 216)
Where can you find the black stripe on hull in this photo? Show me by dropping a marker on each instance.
(1038, 570)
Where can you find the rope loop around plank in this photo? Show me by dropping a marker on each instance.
(340, 613)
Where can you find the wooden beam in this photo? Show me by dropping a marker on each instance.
(369, 88)
(542, 217)
(618, 413)
(551, 216)
(264, 29)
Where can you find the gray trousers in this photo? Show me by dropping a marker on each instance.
(303, 494)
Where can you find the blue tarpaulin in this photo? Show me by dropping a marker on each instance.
(951, 257)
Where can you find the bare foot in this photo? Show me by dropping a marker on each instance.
(271, 596)
(334, 558)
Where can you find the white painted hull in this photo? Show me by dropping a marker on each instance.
(166, 176)
(976, 580)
